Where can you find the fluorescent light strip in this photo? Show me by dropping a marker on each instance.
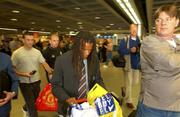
(118, 1)
(127, 12)
(126, 6)
(133, 13)
(122, 5)
(127, 3)
(10, 29)
(130, 11)
(39, 31)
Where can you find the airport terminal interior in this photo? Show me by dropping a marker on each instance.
(106, 19)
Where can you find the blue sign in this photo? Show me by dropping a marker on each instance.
(105, 104)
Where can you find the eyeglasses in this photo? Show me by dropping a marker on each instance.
(160, 20)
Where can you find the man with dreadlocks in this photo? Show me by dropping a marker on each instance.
(68, 76)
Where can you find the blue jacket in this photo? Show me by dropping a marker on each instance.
(6, 64)
(135, 57)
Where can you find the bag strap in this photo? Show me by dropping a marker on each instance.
(126, 38)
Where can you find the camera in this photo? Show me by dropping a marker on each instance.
(33, 72)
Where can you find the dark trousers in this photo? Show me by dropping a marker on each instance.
(5, 110)
(30, 92)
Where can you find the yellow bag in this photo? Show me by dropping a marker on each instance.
(104, 102)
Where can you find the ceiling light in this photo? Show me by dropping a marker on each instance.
(15, 11)
(58, 26)
(33, 22)
(77, 8)
(111, 24)
(97, 18)
(79, 23)
(32, 28)
(67, 28)
(108, 26)
(81, 27)
(13, 19)
(42, 29)
(115, 35)
(73, 33)
(58, 21)
(98, 35)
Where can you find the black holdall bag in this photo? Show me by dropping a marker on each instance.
(119, 61)
(5, 83)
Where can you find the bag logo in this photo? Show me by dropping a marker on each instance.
(48, 98)
(105, 104)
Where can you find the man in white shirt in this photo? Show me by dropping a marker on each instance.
(26, 62)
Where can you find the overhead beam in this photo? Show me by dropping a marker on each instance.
(149, 10)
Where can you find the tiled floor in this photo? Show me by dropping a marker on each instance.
(113, 79)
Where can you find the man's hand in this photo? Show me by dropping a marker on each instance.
(28, 74)
(133, 50)
(71, 101)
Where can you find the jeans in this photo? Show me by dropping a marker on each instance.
(30, 92)
(144, 111)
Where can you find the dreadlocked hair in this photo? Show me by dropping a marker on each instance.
(77, 58)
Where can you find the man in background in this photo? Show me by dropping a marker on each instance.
(52, 51)
(129, 48)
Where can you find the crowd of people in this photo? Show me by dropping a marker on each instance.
(74, 67)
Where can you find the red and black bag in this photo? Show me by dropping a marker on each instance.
(46, 100)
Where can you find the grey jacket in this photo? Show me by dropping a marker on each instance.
(160, 65)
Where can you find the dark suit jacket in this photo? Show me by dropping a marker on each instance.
(6, 64)
(65, 82)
